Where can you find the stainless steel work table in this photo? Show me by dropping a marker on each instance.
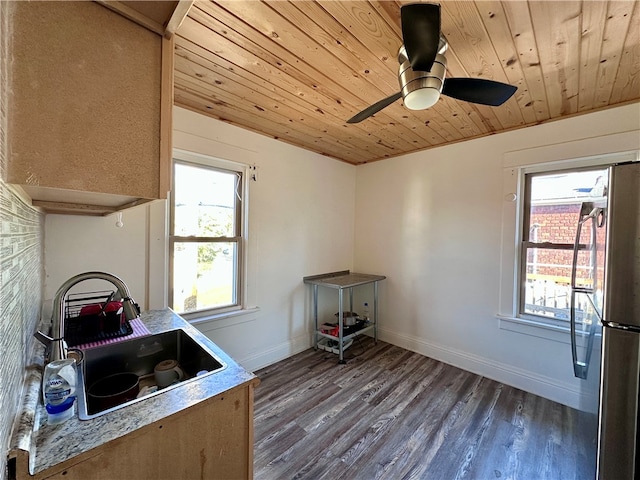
(344, 280)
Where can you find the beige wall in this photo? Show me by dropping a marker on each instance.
(21, 239)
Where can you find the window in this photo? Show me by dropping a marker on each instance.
(553, 207)
(519, 311)
(206, 238)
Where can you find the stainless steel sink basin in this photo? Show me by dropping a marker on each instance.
(140, 356)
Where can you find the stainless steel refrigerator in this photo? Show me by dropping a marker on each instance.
(605, 318)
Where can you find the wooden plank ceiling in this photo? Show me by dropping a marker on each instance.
(297, 70)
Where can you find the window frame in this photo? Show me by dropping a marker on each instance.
(240, 228)
(525, 243)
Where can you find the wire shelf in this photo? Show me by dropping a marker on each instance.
(85, 320)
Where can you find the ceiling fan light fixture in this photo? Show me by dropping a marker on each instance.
(421, 98)
(421, 90)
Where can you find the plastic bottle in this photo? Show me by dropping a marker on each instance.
(365, 311)
(59, 389)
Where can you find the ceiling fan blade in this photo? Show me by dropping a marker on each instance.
(478, 90)
(421, 33)
(375, 108)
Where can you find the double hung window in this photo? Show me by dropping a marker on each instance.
(206, 238)
(552, 210)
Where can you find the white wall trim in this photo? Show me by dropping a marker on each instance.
(597, 149)
(197, 145)
(541, 385)
(536, 328)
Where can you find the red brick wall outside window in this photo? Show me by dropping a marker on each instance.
(557, 224)
(548, 271)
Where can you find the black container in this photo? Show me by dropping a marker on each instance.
(112, 390)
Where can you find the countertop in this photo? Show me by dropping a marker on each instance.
(342, 279)
(48, 445)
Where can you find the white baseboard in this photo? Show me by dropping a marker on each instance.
(541, 385)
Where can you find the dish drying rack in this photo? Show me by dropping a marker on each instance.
(80, 329)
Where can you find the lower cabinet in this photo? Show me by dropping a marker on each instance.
(211, 440)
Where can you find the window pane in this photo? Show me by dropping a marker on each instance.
(587, 311)
(555, 203)
(204, 202)
(590, 271)
(547, 282)
(204, 275)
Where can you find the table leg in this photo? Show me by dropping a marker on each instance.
(315, 317)
(375, 312)
(340, 327)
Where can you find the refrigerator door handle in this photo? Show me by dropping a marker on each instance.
(579, 368)
(574, 261)
(587, 212)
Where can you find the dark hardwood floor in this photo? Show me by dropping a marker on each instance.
(394, 414)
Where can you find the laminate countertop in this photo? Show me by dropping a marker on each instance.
(47, 445)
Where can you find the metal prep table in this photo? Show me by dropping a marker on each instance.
(341, 281)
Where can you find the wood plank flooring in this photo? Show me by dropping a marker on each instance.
(389, 413)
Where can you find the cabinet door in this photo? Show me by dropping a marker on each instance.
(85, 107)
(212, 440)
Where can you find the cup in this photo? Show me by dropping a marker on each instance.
(167, 372)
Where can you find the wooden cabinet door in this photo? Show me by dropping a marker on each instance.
(212, 440)
(86, 102)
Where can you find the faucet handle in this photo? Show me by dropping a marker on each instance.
(46, 340)
(57, 346)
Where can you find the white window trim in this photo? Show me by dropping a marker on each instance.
(246, 306)
(571, 155)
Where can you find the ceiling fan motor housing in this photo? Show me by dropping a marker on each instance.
(421, 90)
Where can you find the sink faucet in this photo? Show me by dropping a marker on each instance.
(57, 343)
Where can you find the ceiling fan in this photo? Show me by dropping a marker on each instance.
(423, 67)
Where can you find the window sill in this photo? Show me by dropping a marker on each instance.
(535, 328)
(221, 319)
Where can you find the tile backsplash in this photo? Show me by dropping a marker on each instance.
(21, 269)
(21, 259)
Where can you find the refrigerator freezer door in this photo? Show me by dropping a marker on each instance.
(622, 300)
(618, 440)
(619, 405)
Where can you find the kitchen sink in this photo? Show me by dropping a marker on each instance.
(140, 356)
